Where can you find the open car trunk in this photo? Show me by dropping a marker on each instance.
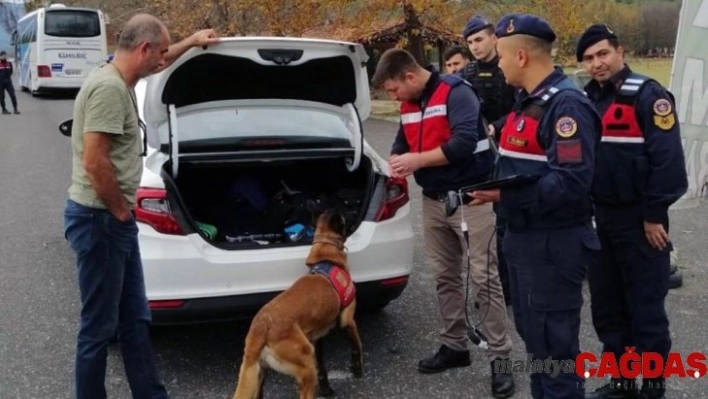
(257, 204)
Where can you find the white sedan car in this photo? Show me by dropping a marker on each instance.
(248, 140)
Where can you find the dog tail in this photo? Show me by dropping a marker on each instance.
(249, 378)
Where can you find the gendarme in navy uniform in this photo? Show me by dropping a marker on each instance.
(552, 132)
(497, 98)
(6, 71)
(640, 171)
(484, 73)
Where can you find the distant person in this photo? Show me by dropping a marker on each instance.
(455, 59)
(6, 84)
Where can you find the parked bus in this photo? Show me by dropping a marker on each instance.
(56, 47)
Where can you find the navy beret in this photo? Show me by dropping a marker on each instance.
(476, 24)
(525, 24)
(594, 34)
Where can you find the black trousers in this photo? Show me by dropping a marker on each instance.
(6, 84)
(629, 284)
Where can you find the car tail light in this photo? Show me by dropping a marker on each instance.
(154, 210)
(166, 304)
(396, 197)
(43, 71)
(392, 282)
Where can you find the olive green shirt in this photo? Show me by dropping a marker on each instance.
(105, 104)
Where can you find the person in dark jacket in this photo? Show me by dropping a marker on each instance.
(6, 83)
(551, 134)
(640, 172)
(441, 141)
(455, 60)
(484, 73)
(498, 98)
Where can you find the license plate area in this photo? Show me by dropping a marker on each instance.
(72, 72)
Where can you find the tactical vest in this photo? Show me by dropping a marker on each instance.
(340, 279)
(523, 151)
(428, 128)
(622, 167)
(489, 84)
(5, 70)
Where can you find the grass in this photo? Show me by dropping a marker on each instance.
(657, 68)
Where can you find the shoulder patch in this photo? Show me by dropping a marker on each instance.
(664, 122)
(662, 107)
(566, 127)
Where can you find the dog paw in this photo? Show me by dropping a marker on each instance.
(325, 391)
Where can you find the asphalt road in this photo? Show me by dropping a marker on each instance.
(39, 298)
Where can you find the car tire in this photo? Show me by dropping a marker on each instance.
(373, 306)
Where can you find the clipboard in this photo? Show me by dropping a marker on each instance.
(510, 181)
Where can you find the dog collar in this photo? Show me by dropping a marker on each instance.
(326, 240)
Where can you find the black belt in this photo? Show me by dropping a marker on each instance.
(442, 197)
(436, 196)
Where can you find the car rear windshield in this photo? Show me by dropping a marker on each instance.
(72, 24)
(263, 122)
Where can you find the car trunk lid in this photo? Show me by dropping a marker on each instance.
(197, 108)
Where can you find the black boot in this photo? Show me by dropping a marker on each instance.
(616, 389)
(502, 381)
(675, 279)
(653, 389)
(446, 358)
(17, 112)
(5, 112)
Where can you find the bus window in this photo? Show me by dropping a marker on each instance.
(72, 24)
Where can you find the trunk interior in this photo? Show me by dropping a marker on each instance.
(257, 205)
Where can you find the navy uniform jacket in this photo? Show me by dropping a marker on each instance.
(648, 169)
(552, 133)
(497, 96)
(5, 70)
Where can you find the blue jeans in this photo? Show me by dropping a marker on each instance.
(113, 301)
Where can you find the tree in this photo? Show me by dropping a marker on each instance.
(568, 18)
(359, 18)
(9, 14)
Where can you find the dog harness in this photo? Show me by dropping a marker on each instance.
(340, 279)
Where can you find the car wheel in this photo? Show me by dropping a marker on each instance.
(373, 306)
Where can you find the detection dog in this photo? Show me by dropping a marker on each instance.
(286, 334)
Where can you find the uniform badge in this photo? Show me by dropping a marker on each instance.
(662, 107)
(566, 127)
(663, 118)
(521, 125)
(510, 27)
(569, 151)
(664, 122)
(517, 142)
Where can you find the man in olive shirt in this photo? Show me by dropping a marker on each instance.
(98, 218)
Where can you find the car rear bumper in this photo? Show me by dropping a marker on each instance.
(59, 84)
(371, 294)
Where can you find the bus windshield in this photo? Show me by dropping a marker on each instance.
(74, 23)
